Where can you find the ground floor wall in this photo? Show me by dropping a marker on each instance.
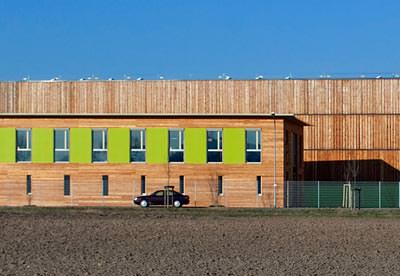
(124, 180)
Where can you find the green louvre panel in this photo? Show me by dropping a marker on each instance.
(80, 145)
(42, 145)
(233, 145)
(195, 146)
(7, 145)
(118, 145)
(157, 145)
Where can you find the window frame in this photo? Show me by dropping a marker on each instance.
(182, 184)
(105, 188)
(142, 144)
(258, 142)
(67, 144)
(104, 144)
(220, 185)
(143, 185)
(181, 144)
(28, 143)
(67, 179)
(29, 185)
(259, 185)
(220, 144)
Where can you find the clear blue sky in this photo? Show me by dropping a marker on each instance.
(189, 39)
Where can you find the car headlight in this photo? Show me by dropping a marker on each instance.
(135, 199)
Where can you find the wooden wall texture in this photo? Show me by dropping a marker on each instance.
(350, 119)
(124, 179)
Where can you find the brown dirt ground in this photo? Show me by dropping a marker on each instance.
(164, 243)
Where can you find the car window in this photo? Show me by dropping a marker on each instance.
(159, 193)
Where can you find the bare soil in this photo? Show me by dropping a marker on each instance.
(162, 242)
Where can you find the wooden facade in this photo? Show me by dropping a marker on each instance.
(351, 120)
(239, 180)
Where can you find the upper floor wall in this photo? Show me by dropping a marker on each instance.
(300, 97)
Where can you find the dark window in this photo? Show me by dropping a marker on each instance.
(28, 185)
(138, 145)
(99, 145)
(61, 145)
(220, 185)
(24, 145)
(253, 145)
(259, 187)
(182, 184)
(143, 184)
(105, 185)
(67, 185)
(176, 145)
(214, 145)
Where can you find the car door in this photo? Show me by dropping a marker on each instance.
(157, 198)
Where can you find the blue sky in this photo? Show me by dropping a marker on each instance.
(188, 39)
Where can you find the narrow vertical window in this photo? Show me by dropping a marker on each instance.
(138, 145)
(24, 145)
(67, 185)
(220, 185)
(61, 145)
(99, 145)
(105, 185)
(259, 185)
(253, 145)
(143, 184)
(28, 185)
(182, 184)
(176, 145)
(214, 145)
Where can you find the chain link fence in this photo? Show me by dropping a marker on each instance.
(331, 194)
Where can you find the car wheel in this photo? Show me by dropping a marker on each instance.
(144, 203)
(177, 204)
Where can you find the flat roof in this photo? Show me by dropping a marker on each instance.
(290, 117)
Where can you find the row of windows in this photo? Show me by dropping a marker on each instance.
(67, 185)
(138, 145)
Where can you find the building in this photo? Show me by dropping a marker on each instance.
(353, 124)
(93, 143)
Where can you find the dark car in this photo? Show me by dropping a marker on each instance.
(162, 197)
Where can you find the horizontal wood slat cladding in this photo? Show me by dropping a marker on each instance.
(124, 179)
(124, 184)
(344, 114)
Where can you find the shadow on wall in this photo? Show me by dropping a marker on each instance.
(350, 170)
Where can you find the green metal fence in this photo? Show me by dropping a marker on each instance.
(330, 194)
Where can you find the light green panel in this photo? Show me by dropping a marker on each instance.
(157, 145)
(7, 145)
(42, 145)
(80, 145)
(195, 146)
(234, 145)
(118, 145)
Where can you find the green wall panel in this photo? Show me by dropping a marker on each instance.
(157, 145)
(7, 145)
(42, 145)
(81, 145)
(233, 145)
(118, 145)
(195, 146)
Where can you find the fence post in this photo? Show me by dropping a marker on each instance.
(318, 194)
(287, 194)
(380, 199)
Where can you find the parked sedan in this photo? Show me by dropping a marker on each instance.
(160, 198)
